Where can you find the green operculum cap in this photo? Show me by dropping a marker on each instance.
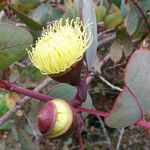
(57, 119)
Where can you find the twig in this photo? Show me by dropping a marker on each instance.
(105, 132)
(97, 67)
(142, 13)
(105, 32)
(106, 41)
(109, 84)
(22, 102)
(33, 130)
(120, 138)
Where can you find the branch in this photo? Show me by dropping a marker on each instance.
(109, 84)
(106, 41)
(120, 138)
(22, 102)
(20, 90)
(105, 132)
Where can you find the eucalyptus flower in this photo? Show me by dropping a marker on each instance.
(61, 46)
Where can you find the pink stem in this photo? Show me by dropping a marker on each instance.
(12, 87)
(90, 111)
(143, 123)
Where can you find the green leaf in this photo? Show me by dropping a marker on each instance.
(132, 20)
(44, 13)
(116, 2)
(100, 12)
(125, 111)
(24, 5)
(123, 9)
(116, 51)
(40, 14)
(73, 11)
(112, 20)
(13, 41)
(88, 15)
(67, 92)
(27, 20)
(145, 5)
(63, 91)
(137, 77)
(7, 125)
(127, 45)
(3, 106)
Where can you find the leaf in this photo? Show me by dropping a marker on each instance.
(67, 92)
(55, 14)
(133, 101)
(44, 13)
(127, 45)
(41, 14)
(137, 77)
(145, 5)
(88, 15)
(123, 9)
(63, 91)
(24, 5)
(125, 111)
(28, 21)
(132, 20)
(3, 106)
(116, 51)
(73, 11)
(13, 44)
(100, 12)
(7, 125)
(116, 2)
(112, 20)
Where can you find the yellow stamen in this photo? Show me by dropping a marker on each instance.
(60, 46)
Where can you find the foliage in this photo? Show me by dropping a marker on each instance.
(124, 24)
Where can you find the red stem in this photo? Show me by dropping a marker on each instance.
(12, 87)
(90, 111)
(143, 123)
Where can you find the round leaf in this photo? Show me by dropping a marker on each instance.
(13, 41)
(116, 51)
(137, 77)
(125, 111)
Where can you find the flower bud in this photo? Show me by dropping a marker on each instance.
(57, 119)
